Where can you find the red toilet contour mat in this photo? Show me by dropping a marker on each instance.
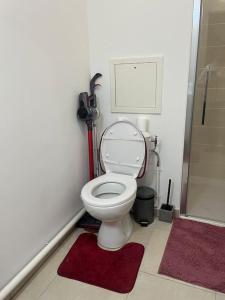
(112, 270)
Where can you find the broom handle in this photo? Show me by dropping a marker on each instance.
(168, 194)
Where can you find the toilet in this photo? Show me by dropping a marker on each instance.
(110, 197)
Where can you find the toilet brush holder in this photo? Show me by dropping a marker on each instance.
(166, 212)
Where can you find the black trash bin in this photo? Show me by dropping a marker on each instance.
(143, 209)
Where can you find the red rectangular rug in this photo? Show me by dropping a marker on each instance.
(112, 270)
(195, 253)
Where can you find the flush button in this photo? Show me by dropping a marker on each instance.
(135, 133)
(107, 155)
(138, 158)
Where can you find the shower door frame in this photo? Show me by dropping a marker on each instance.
(196, 22)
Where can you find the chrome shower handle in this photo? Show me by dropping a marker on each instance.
(205, 94)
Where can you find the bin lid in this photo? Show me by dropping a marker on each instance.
(145, 193)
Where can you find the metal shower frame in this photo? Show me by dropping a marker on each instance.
(197, 11)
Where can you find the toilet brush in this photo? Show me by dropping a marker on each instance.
(166, 211)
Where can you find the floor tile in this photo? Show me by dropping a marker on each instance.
(153, 287)
(141, 234)
(202, 189)
(47, 272)
(161, 225)
(154, 251)
(66, 289)
(220, 296)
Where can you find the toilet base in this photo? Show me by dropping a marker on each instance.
(113, 235)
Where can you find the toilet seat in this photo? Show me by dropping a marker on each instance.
(123, 188)
(123, 149)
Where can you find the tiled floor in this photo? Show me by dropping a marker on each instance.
(200, 194)
(47, 285)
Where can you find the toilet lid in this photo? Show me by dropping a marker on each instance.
(123, 149)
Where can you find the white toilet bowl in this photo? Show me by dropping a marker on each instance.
(110, 197)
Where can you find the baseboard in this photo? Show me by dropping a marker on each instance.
(28, 270)
(211, 222)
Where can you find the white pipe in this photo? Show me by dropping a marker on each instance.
(158, 187)
(24, 273)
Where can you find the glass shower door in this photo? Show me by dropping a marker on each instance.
(206, 183)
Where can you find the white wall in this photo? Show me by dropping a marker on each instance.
(143, 28)
(43, 151)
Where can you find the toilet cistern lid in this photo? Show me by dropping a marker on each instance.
(123, 149)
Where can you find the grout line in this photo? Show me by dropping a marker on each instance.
(54, 278)
(212, 108)
(164, 277)
(201, 68)
(217, 88)
(212, 127)
(46, 262)
(211, 46)
(212, 24)
(211, 145)
(216, 145)
(213, 88)
(214, 46)
(46, 288)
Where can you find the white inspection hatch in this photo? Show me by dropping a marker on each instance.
(136, 84)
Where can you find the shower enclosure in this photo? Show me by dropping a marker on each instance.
(203, 183)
